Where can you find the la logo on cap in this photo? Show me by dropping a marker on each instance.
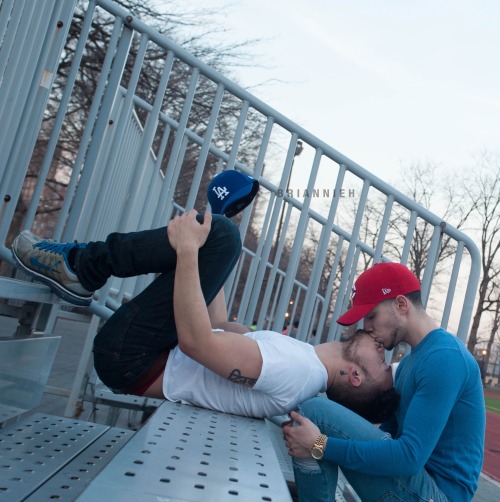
(220, 192)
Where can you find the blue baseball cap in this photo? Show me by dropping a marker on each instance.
(230, 192)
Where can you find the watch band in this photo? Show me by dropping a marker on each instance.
(318, 447)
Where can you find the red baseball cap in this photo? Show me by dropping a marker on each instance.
(378, 283)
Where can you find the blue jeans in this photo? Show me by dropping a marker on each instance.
(317, 481)
(141, 330)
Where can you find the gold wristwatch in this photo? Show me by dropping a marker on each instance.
(318, 449)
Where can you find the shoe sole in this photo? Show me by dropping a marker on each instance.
(61, 292)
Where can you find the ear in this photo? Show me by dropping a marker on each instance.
(355, 377)
(402, 304)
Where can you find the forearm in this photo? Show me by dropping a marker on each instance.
(190, 311)
(234, 327)
(224, 352)
(217, 312)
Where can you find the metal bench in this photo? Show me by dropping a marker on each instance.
(189, 453)
(53, 458)
(181, 453)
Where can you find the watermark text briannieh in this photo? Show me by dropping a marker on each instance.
(326, 193)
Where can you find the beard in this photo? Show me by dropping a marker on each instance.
(394, 332)
(393, 340)
(350, 350)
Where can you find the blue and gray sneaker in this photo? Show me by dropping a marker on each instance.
(47, 261)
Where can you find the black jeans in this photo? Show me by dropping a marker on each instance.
(140, 330)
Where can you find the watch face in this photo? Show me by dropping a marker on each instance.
(317, 453)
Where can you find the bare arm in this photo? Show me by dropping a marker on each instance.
(228, 354)
(217, 312)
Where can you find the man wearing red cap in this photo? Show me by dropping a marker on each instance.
(432, 447)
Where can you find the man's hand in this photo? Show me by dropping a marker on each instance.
(185, 233)
(300, 438)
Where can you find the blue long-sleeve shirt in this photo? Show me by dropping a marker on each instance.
(439, 425)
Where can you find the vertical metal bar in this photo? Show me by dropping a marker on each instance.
(350, 262)
(244, 311)
(263, 251)
(97, 122)
(329, 291)
(238, 134)
(59, 120)
(69, 226)
(207, 138)
(231, 293)
(83, 364)
(157, 175)
(119, 141)
(10, 19)
(15, 40)
(383, 229)
(172, 173)
(335, 329)
(272, 313)
(294, 308)
(324, 243)
(299, 239)
(430, 267)
(452, 285)
(248, 307)
(470, 294)
(147, 138)
(6, 8)
(410, 232)
(275, 270)
(35, 100)
(276, 210)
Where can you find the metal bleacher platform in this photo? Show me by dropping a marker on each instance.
(139, 160)
(200, 454)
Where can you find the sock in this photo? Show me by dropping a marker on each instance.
(72, 259)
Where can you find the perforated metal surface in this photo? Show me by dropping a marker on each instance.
(8, 412)
(74, 477)
(285, 461)
(35, 448)
(191, 454)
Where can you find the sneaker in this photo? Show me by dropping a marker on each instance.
(47, 261)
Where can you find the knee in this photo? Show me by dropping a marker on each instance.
(306, 465)
(315, 407)
(226, 231)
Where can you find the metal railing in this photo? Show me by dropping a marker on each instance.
(319, 218)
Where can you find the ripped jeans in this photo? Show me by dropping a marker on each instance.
(317, 481)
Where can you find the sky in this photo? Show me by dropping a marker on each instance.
(387, 83)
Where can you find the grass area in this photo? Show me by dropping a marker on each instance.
(492, 404)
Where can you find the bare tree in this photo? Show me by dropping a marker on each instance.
(428, 185)
(481, 189)
(494, 331)
(190, 29)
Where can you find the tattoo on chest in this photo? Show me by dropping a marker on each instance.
(236, 377)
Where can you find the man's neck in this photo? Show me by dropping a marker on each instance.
(330, 354)
(420, 326)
